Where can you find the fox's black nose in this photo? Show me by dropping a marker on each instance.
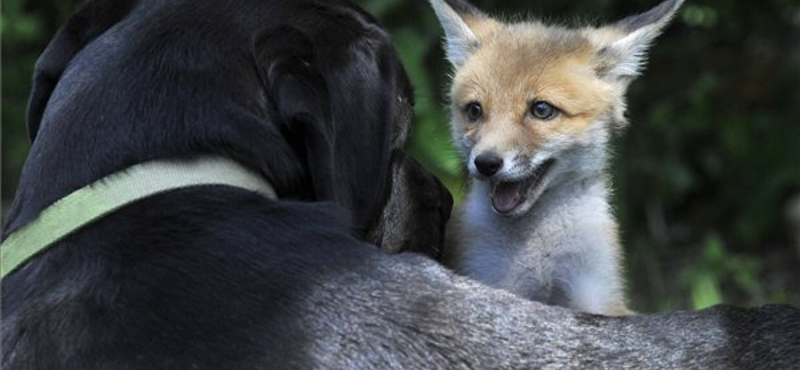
(488, 163)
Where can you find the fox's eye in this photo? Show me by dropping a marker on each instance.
(544, 110)
(474, 111)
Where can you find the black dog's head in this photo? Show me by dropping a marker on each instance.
(308, 93)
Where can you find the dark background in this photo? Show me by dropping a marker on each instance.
(707, 174)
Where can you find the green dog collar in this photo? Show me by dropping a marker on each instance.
(96, 200)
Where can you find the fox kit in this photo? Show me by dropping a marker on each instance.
(533, 109)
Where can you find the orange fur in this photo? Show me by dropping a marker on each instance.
(521, 63)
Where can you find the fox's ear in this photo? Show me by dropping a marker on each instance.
(459, 20)
(623, 55)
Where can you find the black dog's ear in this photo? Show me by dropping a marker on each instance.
(91, 20)
(296, 90)
(369, 96)
(336, 89)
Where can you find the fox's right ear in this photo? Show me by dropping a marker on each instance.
(459, 19)
(623, 56)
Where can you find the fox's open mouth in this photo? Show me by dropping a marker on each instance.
(508, 196)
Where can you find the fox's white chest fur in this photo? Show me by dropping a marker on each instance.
(564, 251)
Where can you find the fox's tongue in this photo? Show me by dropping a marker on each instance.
(507, 196)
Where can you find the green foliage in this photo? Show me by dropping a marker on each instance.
(705, 275)
(703, 174)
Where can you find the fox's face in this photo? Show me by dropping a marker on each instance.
(533, 105)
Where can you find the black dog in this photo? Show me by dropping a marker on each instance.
(311, 96)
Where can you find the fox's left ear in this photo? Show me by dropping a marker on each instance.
(463, 26)
(623, 45)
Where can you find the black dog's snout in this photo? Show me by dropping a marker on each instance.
(488, 163)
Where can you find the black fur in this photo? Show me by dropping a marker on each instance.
(234, 79)
(310, 94)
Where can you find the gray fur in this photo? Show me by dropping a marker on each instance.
(658, 15)
(415, 315)
(463, 7)
(625, 57)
